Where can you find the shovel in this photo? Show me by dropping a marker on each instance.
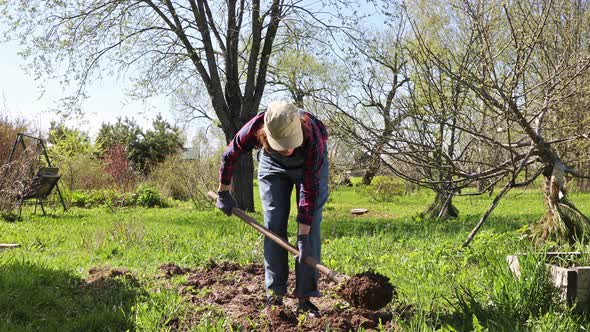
(333, 275)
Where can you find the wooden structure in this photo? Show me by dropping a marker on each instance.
(573, 282)
(44, 180)
(41, 186)
(9, 245)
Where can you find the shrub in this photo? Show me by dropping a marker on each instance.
(80, 199)
(83, 173)
(15, 176)
(145, 196)
(187, 179)
(117, 165)
(8, 130)
(148, 196)
(385, 188)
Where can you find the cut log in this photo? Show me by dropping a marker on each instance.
(9, 245)
(359, 211)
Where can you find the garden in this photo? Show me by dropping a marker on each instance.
(456, 134)
(179, 269)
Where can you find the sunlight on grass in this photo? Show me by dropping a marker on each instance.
(422, 257)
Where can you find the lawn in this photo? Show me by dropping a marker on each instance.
(46, 283)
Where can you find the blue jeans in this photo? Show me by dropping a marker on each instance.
(277, 175)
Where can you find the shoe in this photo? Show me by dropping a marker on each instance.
(305, 306)
(275, 300)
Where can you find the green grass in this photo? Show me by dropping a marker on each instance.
(449, 288)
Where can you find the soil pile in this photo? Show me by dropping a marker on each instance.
(367, 290)
(106, 277)
(238, 292)
(171, 269)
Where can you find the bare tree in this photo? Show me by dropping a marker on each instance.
(531, 67)
(404, 114)
(375, 66)
(303, 65)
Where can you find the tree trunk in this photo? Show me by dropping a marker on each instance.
(562, 220)
(242, 182)
(442, 207)
(583, 185)
(371, 171)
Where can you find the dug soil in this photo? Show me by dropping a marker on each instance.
(238, 293)
(367, 290)
(106, 277)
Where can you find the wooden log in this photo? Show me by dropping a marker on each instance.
(359, 211)
(573, 282)
(9, 245)
(583, 284)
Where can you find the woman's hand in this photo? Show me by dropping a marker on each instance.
(225, 202)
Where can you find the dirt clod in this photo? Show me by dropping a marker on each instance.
(171, 269)
(368, 290)
(105, 277)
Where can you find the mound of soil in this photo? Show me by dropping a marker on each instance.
(105, 277)
(367, 290)
(238, 292)
(170, 269)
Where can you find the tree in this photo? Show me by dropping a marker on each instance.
(155, 145)
(303, 65)
(404, 114)
(68, 142)
(224, 47)
(124, 132)
(142, 149)
(532, 63)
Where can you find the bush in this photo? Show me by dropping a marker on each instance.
(14, 176)
(8, 130)
(80, 199)
(144, 196)
(385, 188)
(148, 196)
(187, 179)
(83, 173)
(117, 165)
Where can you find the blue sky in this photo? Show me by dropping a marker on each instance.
(22, 97)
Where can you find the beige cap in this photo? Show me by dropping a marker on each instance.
(282, 125)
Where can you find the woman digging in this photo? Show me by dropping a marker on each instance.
(293, 154)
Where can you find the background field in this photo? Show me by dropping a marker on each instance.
(440, 285)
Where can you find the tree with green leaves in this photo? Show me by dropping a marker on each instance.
(144, 149)
(155, 145)
(221, 47)
(68, 142)
(123, 132)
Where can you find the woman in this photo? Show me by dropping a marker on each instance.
(294, 154)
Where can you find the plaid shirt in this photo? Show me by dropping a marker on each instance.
(315, 137)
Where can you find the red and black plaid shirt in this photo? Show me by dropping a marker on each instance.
(315, 137)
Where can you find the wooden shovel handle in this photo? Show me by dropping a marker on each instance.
(333, 275)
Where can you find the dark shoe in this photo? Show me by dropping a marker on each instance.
(275, 300)
(305, 306)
